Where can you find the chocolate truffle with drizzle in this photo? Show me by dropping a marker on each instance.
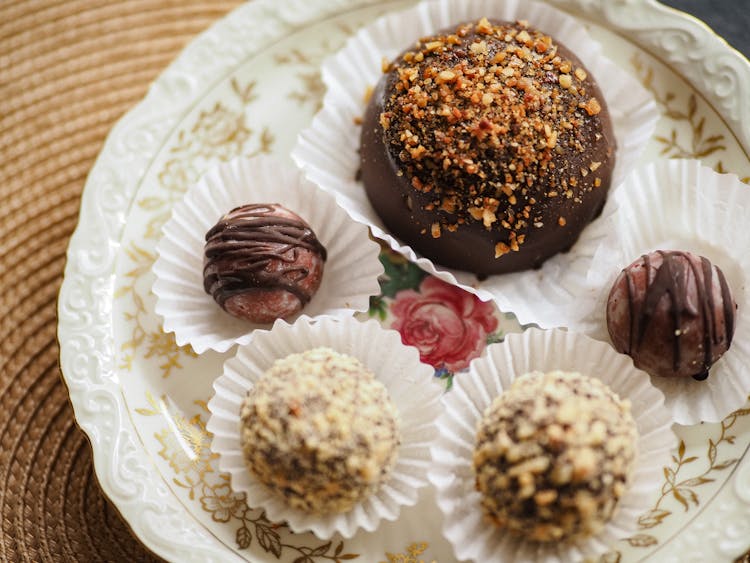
(262, 262)
(673, 313)
(487, 147)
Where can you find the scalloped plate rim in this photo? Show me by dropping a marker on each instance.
(81, 248)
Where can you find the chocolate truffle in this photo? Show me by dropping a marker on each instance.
(320, 430)
(553, 456)
(487, 148)
(673, 313)
(262, 262)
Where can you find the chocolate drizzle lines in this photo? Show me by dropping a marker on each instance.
(245, 241)
(726, 297)
(672, 279)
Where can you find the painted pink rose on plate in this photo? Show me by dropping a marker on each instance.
(447, 325)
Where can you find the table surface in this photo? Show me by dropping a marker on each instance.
(68, 71)
(728, 18)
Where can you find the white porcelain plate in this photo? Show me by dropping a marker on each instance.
(248, 85)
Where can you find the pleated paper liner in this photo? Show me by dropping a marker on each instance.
(472, 536)
(680, 205)
(410, 384)
(350, 274)
(327, 150)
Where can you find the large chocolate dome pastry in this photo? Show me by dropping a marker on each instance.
(673, 313)
(262, 262)
(487, 148)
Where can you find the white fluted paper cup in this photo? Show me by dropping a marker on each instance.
(327, 150)
(350, 275)
(411, 386)
(680, 205)
(472, 537)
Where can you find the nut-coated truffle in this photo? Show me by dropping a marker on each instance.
(553, 456)
(262, 262)
(673, 313)
(487, 147)
(320, 430)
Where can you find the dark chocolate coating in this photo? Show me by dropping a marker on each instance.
(262, 262)
(673, 313)
(552, 212)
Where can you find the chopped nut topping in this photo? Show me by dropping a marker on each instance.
(368, 94)
(484, 26)
(543, 498)
(447, 76)
(319, 430)
(459, 99)
(524, 452)
(488, 217)
(524, 37)
(552, 140)
(478, 48)
(541, 46)
(593, 107)
(584, 464)
(501, 249)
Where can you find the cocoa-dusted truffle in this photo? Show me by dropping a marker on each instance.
(673, 313)
(320, 430)
(487, 147)
(262, 262)
(553, 455)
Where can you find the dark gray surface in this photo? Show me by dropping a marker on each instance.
(728, 18)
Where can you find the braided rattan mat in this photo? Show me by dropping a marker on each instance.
(68, 70)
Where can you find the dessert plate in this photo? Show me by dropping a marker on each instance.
(246, 86)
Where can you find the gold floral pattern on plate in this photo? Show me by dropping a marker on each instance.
(699, 141)
(186, 446)
(683, 489)
(227, 127)
(411, 555)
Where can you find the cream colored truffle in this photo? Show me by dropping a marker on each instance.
(553, 456)
(320, 430)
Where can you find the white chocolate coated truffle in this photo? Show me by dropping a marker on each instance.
(319, 429)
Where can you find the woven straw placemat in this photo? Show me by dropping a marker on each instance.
(68, 70)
